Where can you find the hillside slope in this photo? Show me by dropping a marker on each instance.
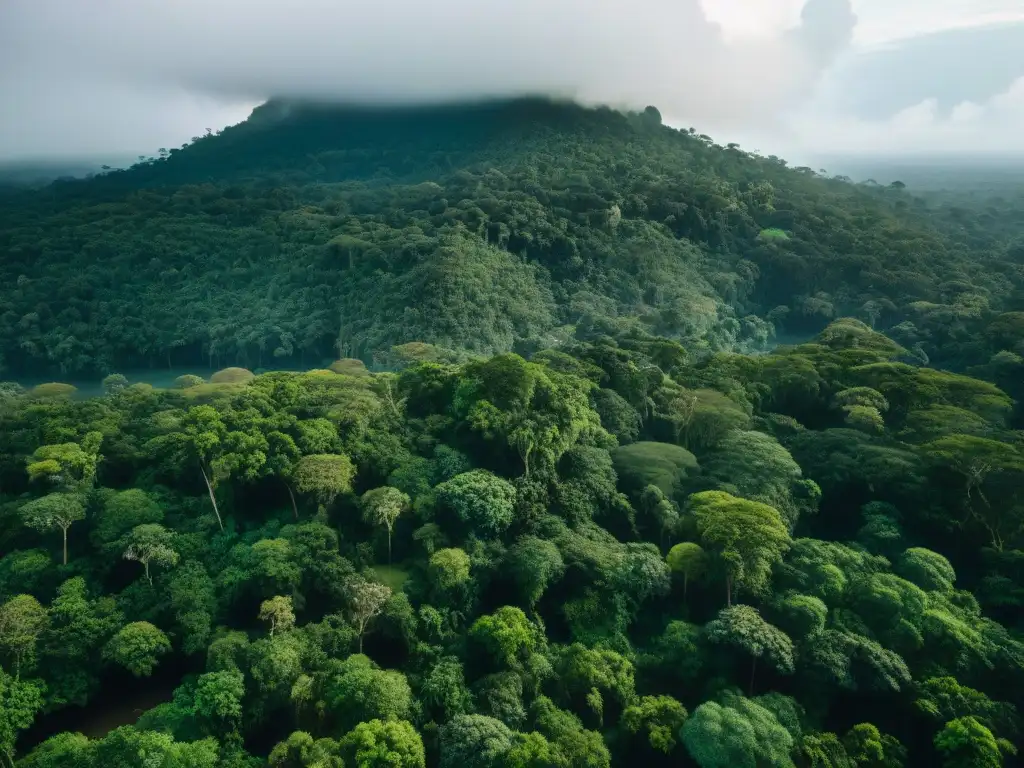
(311, 232)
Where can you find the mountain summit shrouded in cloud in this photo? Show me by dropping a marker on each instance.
(60, 62)
(791, 77)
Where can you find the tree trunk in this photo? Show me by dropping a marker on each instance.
(213, 499)
(728, 591)
(753, 668)
(295, 509)
(145, 564)
(686, 584)
(389, 546)
(65, 530)
(360, 642)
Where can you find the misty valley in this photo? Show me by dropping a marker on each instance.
(509, 433)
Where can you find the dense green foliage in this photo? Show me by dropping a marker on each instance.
(310, 233)
(787, 589)
(639, 539)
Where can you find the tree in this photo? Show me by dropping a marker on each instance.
(688, 559)
(594, 675)
(194, 602)
(123, 747)
(700, 418)
(69, 467)
(662, 465)
(19, 703)
(639, 574)
(282, 457)
(977, 460)
(480, 500)
(533, 750)
(78, 629)
(444, 690)
(300, 750)
(449, 569)
(536, 411)
(659, 718)
(137, 648)
(188, 381)
(324, 477)
(755, 466)
(278, 611)
(65, 750)
(57, 510)
(120, 513)
(567, 734)
(366, 601)
(534, 564)
(742, 627)
(657, 506)
(151, 543)
(271, 564)
(617, 415)
(474, 741)
(798, 615)
(383, 506)
(358, 691)
(738, 733)
(943, 699)
(200, 442)
(114, 384)
(679, 653)
(218, 699)
(747, 538)
(966, 743)
(274, 666)
(928, 570)
(868, 747)
(22, 621)
(506, 634)
(384, 744)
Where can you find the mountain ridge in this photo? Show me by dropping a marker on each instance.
(328, 231)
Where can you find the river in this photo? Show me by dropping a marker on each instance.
(161, 378)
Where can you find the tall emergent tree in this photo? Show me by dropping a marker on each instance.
(56, 510)
(324, 476)
(747, 537)
(383, 506)
(278, 612)
(366, 602)
(67, 466)
(22, 621)
(150, 543)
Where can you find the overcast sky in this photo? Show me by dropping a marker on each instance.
(784, 76)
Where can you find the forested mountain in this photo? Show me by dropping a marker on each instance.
(646, 536)
(309, 233)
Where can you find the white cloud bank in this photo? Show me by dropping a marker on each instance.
(66, 67)
(106, 76)
(993, 127)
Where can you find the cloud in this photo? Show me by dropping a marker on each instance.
(886, 20)
(65, 66)
(994, 127)
(953, 66)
